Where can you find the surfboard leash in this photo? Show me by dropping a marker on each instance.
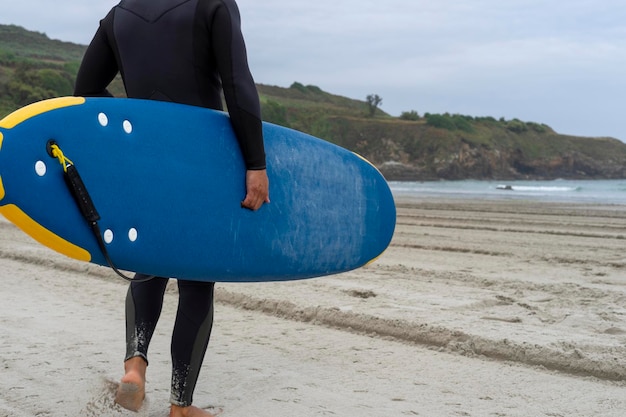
(83, 200)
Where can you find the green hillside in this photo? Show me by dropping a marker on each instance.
(412, 147)
(33, 67)
(436, 146)
(37, 45)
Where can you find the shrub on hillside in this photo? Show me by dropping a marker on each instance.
(410, 115)
(449, 122)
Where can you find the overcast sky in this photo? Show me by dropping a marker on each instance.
(561, 63)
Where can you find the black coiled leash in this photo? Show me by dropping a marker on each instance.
(86, 206)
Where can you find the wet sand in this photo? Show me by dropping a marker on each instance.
(478, 308)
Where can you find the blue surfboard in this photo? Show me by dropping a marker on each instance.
(167, 180)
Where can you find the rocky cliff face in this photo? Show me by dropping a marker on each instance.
(471, 162)
(487, 149)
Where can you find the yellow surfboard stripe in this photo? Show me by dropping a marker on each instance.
(371, 261)
(373, 166)
(42, 235)
(35, 109)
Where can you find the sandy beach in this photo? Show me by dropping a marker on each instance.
(478, 308)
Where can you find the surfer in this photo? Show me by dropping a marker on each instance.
(184, 51)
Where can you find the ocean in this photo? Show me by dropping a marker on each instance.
(574, 191)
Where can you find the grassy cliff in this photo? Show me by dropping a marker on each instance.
(443, 146)
(411, 147)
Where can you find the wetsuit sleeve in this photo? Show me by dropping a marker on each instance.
(240, 91)
(99, 66)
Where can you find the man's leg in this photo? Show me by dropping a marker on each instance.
(190, 338)
(144, 302)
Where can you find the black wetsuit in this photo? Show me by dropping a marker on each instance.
(185, 51)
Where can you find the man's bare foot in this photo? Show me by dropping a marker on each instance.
(132, 389)
(191, 411)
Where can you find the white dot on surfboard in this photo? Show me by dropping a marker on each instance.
(128, 127)
(103, 119)
(132, 234)
(108, 236)
(40, 168)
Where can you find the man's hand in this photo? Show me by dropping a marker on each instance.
(257, 189)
